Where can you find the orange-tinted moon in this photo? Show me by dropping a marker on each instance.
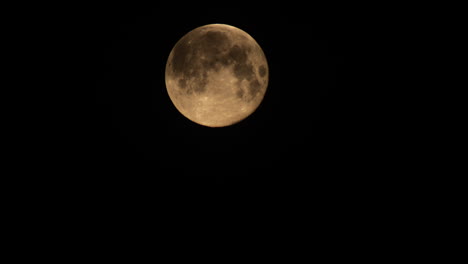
(216, 75)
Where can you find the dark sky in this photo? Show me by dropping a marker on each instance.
(127, 123)
(109, 157)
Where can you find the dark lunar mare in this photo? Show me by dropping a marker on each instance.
(262, 70)
(188, 66)
(187, 63)
(244, 70)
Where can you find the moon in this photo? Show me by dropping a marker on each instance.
(216, 75)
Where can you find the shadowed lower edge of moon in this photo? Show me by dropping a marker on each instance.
(194, 65)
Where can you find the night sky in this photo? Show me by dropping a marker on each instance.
(103, 161)
(129, 126)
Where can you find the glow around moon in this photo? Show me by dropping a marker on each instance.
(216, 75)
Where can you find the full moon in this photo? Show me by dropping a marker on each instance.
(216, 75)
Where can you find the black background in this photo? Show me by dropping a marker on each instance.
(113, 160)
(125, 123)
(116, 160)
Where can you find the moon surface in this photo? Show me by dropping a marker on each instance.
(216, 75)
